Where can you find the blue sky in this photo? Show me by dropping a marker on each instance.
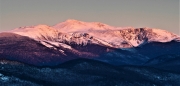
(163, 14)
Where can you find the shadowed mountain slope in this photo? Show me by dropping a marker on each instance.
(81, 72)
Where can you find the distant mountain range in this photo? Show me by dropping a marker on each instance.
(89, 53)
(78, 32)
(72, 39)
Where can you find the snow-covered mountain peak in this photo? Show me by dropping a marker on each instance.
(26, 28)
(72, 21)
(37, 32)
(80, 26)
(42, 26)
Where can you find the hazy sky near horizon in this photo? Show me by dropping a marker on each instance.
(163, 14)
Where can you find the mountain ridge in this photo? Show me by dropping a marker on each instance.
(79, 32)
